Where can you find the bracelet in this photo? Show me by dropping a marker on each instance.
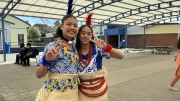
(108, 49)
(45, 63)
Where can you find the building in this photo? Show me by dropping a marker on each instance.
(165, 34)
(111, 34)
(16, 31)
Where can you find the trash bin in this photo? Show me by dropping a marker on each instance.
(8, 46)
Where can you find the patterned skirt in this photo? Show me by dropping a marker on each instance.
(59, 87)
(93, 86)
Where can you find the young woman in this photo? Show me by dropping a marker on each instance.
(60, 62)
(177, 70)
(91, 73)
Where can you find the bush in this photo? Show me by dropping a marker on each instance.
(40, 44)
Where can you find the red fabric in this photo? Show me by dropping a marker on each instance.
(108, 49)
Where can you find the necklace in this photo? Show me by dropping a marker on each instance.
(86, 62)
(69, 42)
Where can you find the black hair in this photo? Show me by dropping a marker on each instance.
(59, 32)
(178, 44)
(78, 43)
(21, 46)
(28, 44)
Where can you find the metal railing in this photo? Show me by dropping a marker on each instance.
(33, 44)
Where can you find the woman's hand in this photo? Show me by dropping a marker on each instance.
(99, 43)
(52, 54)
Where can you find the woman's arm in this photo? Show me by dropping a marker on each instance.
(41, 71)
(117, 54)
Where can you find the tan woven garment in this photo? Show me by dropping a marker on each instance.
(93, 75)
(57, 95)
(42, 95)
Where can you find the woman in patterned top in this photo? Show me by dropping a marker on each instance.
(91, 73)
(60, 62)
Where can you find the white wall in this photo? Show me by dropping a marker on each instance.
(49, 35)
(97, 29)
(158, 29)
(7, 33)
(162, 29)
(19, 28)
(134, 30)
(7, 28)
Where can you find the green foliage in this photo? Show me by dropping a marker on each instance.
(27, 21)
(33, 33)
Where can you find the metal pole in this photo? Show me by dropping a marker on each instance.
(144, 38)
(106, 39)
(0, 40)
(3, 37)
(126, 37)
(101, 31)
(27, 34)
(119, 41)
(6, 36)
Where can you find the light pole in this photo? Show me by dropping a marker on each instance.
(27, 33)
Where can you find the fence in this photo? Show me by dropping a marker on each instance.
(33, 44)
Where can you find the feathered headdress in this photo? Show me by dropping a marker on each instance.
(69, 11)
(89, 19)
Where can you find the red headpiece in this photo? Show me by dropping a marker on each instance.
(88, 19)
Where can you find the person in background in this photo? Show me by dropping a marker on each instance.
(19, 56)
(31, 54)
(177, 70)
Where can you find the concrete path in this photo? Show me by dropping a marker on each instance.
(141, 77)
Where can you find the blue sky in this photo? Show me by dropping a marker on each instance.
(34, 20)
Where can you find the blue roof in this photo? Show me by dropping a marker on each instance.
(20, 20)
(8, 22)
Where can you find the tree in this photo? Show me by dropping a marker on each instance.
(33, 33)
(57, 23)
(27, 21)
(51, 23)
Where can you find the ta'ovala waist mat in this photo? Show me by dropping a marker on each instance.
(59, 87)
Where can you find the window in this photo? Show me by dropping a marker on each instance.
(20, 38)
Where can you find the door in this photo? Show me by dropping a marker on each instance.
(20, 38)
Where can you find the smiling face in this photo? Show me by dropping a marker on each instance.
(85, 35)
(69, 28)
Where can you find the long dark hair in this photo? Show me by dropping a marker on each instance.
(59, 32)
(78, 43)
(178, 44)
